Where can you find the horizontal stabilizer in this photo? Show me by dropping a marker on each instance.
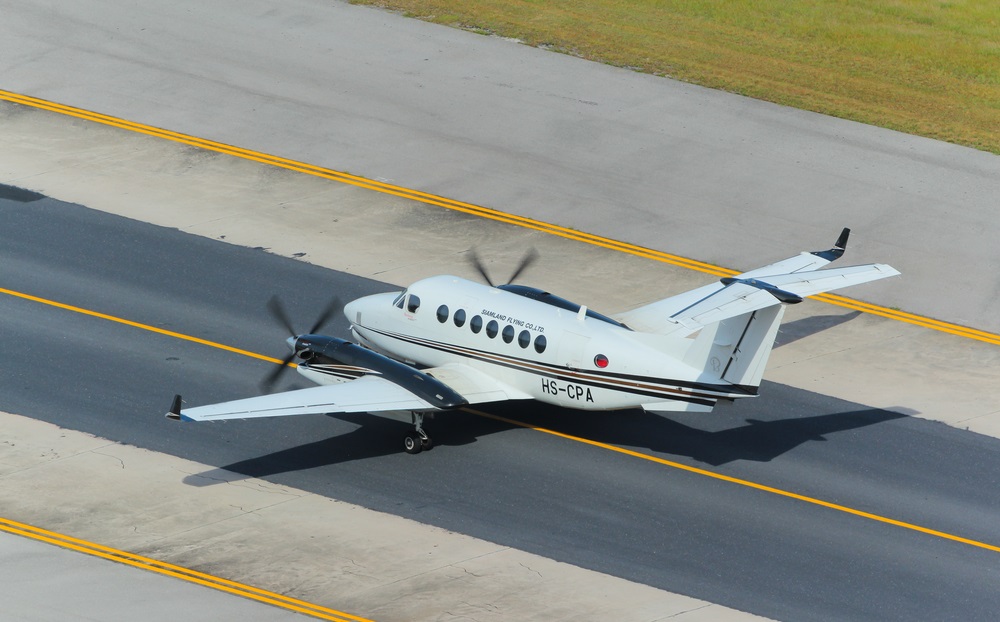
(787, 281)
(730, 297)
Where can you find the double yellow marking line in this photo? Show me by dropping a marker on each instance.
(477, 210)
(484, 212)
(616, 449)
(170, 570)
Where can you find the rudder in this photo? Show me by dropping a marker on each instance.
(736, 349)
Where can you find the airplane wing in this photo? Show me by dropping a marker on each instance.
(786, 281)
(371, 393)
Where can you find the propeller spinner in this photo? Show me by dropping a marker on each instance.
(278, 312)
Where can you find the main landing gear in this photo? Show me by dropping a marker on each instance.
(417, 440)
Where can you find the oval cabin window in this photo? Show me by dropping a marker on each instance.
(508, 333)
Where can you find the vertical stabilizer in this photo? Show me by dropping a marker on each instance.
(736, 349)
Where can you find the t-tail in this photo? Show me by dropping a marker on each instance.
(737, 318)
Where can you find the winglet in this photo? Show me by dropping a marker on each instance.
(175, 409)
(838, 248)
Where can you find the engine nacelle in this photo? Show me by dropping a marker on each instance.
(343, 352)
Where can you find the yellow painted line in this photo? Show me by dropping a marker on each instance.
(476, 210)
(628, 452)
(910, 318)
(741, 482)
(179, 572)
(154, 329)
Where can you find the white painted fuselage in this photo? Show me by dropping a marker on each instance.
(552, 354)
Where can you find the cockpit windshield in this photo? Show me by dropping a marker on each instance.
(398, 300)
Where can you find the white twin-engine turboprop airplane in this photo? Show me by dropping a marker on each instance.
(446, 342)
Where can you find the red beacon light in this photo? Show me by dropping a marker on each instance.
(601, 361)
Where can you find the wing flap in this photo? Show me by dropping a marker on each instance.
(474, 385)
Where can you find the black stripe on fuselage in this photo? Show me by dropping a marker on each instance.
(681, 390)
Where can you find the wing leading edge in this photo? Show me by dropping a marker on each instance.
(372, 393)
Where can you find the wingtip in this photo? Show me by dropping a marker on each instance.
(838, 247)
(174, 413)
(842, 240)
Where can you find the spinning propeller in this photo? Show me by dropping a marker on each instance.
(528, 259)
(278, 313)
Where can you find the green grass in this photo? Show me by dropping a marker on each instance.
(923, 67)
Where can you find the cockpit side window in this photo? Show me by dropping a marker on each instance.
(412, 303)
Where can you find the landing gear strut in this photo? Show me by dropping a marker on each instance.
(417, 440)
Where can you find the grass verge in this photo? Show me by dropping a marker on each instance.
(923, 67)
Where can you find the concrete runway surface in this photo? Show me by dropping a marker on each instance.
(41, 583)
(737, 546)
(647, 160)
(642, 159)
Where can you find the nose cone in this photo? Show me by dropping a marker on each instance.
(351, 311)
(291, 343)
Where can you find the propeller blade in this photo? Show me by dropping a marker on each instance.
(281, 316)
(333, 308)
(272, 378)
(478, 265)
(278, 313)
(528, 259)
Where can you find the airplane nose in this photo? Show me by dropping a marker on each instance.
(291, 342)
(351, 312)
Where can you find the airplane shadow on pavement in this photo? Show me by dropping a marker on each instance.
(664, 435)
(753, 439)
(790, 332)
(376, 436)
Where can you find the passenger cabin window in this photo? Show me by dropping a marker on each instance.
(412, 304)
(540, 344)
(524, 339)
(508, 333)
(492, 329)
(442, 314)
(460, 318)
(476, 324)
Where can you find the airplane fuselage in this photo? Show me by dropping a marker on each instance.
(562, 356)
